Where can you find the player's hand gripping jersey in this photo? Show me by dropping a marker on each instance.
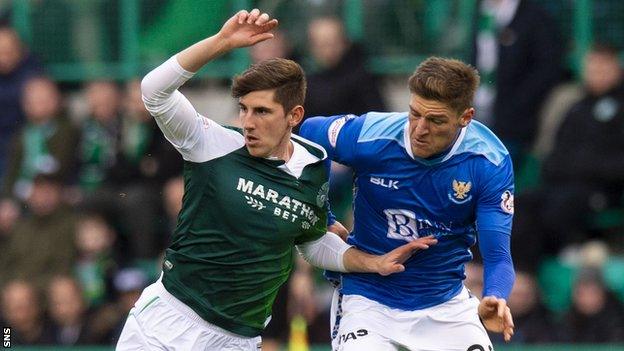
(399, 197)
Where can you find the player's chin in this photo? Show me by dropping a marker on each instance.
(423, 153)
(256, 150)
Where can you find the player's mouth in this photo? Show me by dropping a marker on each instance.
(420, 142)
(251, 140)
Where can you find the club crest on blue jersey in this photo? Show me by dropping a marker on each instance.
(460, 192)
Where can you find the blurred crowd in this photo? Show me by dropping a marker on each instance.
(88, 202)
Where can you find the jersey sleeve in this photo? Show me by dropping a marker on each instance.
(337, 134)
(318, 228)
(196, 137)
(496, 196)
(494, 219)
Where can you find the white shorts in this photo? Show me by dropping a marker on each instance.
(362, 324)
(159, 321)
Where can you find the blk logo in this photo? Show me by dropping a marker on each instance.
(386, 183)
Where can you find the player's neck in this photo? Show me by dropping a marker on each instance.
(284, 151)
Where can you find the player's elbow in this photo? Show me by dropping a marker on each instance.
(148, 90)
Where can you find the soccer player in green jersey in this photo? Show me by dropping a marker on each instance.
(251, 196)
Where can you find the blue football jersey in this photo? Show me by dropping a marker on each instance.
(399, 197)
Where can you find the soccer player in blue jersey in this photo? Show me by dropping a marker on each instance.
(251, 195)
(432, 170)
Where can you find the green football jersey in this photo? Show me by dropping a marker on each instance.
(233, 245)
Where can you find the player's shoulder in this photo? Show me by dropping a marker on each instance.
(383, 125)
(232, 128)
(311, 147)
(480, 140)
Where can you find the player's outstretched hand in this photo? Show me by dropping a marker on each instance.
(496, 316)
(392, 262)
(247, 28)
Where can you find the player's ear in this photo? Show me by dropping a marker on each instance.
(295, 116)
(466, 117)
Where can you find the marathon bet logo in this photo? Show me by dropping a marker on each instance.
(287, 208)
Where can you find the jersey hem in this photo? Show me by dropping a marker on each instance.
(209, 316)
(389, 303)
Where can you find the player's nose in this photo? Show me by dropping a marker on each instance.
(247, 121)
(422, 127)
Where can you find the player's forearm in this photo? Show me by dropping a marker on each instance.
(332, 253)
(197, 55)
(498, 278)
(498, 271)
(360, 262)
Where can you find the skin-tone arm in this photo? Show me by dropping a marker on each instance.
(339, 229)
(496, 316)
(241, 30)
(390, 263)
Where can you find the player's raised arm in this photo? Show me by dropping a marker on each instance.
(190, 133)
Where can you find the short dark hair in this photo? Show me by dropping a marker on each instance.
(285, 76)
(449, 81)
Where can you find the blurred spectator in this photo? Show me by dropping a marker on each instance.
(144, 156)
(41, 243)
(596, 315)
(126, 161)
(16, 67)
(45, 144)
(342, 83)
(518, 54)
(585, 171)
(22, 311)
(533, 322)
(9, 212)
(279, 46)
(110, 319)
(129, 283)
(96, 263)
(68, 312)
(100, 134)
